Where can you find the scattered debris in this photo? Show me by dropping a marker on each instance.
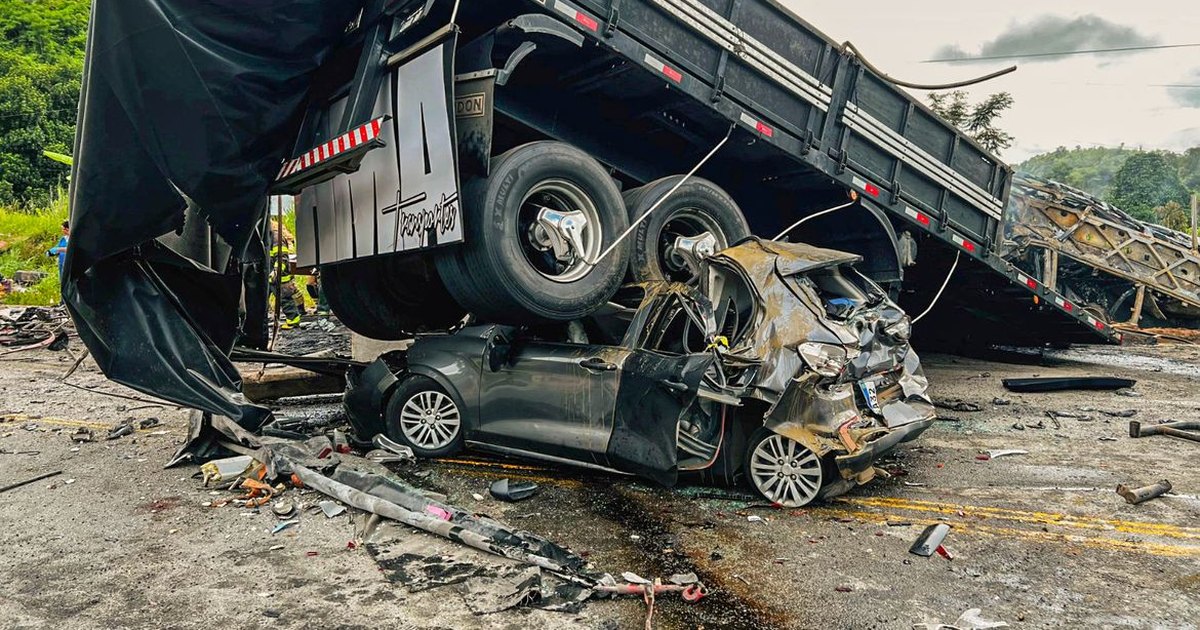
(634, 578)
(149, 423)
(1018, 426)
(83, 434)
(1134, 496)
(284, 525)
(1067, 383)
(508, 490)
(930, 540)
(754, 518)
(1005, 452)
(283, 508)
(120, 429)
(1001, 402)
(331, 509)
(955, 404)
(969, 620)
(18, 484)
(1185, 429)
(225, 469)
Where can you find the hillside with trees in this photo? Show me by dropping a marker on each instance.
(1153, 186)
(41, 59)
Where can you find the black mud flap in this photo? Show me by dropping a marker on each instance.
(654, 392)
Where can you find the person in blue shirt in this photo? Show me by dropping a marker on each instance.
(60, 249)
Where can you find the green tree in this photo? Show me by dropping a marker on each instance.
(1147, 181)
(1090, 170)
(41, 59)
(1189, 169)
(1174, 216)
(979, 119)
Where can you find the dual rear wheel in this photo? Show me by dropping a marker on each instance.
(538, 247)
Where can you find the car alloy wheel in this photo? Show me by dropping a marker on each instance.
(430, 420)
(784, 471)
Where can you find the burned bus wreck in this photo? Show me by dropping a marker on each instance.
(786, 368)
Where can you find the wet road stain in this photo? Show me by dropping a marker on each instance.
(722, 607)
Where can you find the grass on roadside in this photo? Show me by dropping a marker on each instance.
(27, 235)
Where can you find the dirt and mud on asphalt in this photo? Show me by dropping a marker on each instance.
(1038, 538)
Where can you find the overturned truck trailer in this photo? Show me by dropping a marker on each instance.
(1116, 268)
(518, 160)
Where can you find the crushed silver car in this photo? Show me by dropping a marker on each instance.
(786, 368)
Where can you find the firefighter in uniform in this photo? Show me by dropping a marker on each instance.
(281, 271)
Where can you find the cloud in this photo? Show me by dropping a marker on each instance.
(1052, 34)
(1187, 92)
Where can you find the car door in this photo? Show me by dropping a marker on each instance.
(552, 399)
(660, 380)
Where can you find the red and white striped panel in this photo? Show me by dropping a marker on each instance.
(584, 20)
(868, 187)
(1097, 324)
(667, 71)
(1063, 304)
(1027, 281)
(919, 217)
(345, 142)
(962, 242)
(758, 125)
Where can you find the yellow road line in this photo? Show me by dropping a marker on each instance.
(1038, 518)
(489, 464)
(1094, 542)
(493, 474)
(67, 422)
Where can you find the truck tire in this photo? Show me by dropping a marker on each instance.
(389, 297)
(698, 207)
(508, 270)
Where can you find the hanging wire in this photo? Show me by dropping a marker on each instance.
(847, 46)
(853, 200)
(945, 283)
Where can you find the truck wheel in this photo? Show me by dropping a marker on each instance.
(546, 209)
(421, 415)
(783, 470)
(696, 221)
(389, 297)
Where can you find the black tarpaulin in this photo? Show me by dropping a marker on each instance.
(185, 104)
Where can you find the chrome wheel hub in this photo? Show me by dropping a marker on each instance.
(561, 229)
(785, 472)
(430, 420)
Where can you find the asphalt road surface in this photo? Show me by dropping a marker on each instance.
(1038, 539)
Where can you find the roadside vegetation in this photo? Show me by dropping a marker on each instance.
(25, 236)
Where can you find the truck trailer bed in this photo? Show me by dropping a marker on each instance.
(802, 96)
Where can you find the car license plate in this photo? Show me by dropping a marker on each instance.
(870, 395)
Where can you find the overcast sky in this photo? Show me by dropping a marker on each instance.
(1089, 100)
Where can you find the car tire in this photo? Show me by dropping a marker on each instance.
(503, 273)
(782, 470)
(389, 297)
(421, 415)
(698, 206)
